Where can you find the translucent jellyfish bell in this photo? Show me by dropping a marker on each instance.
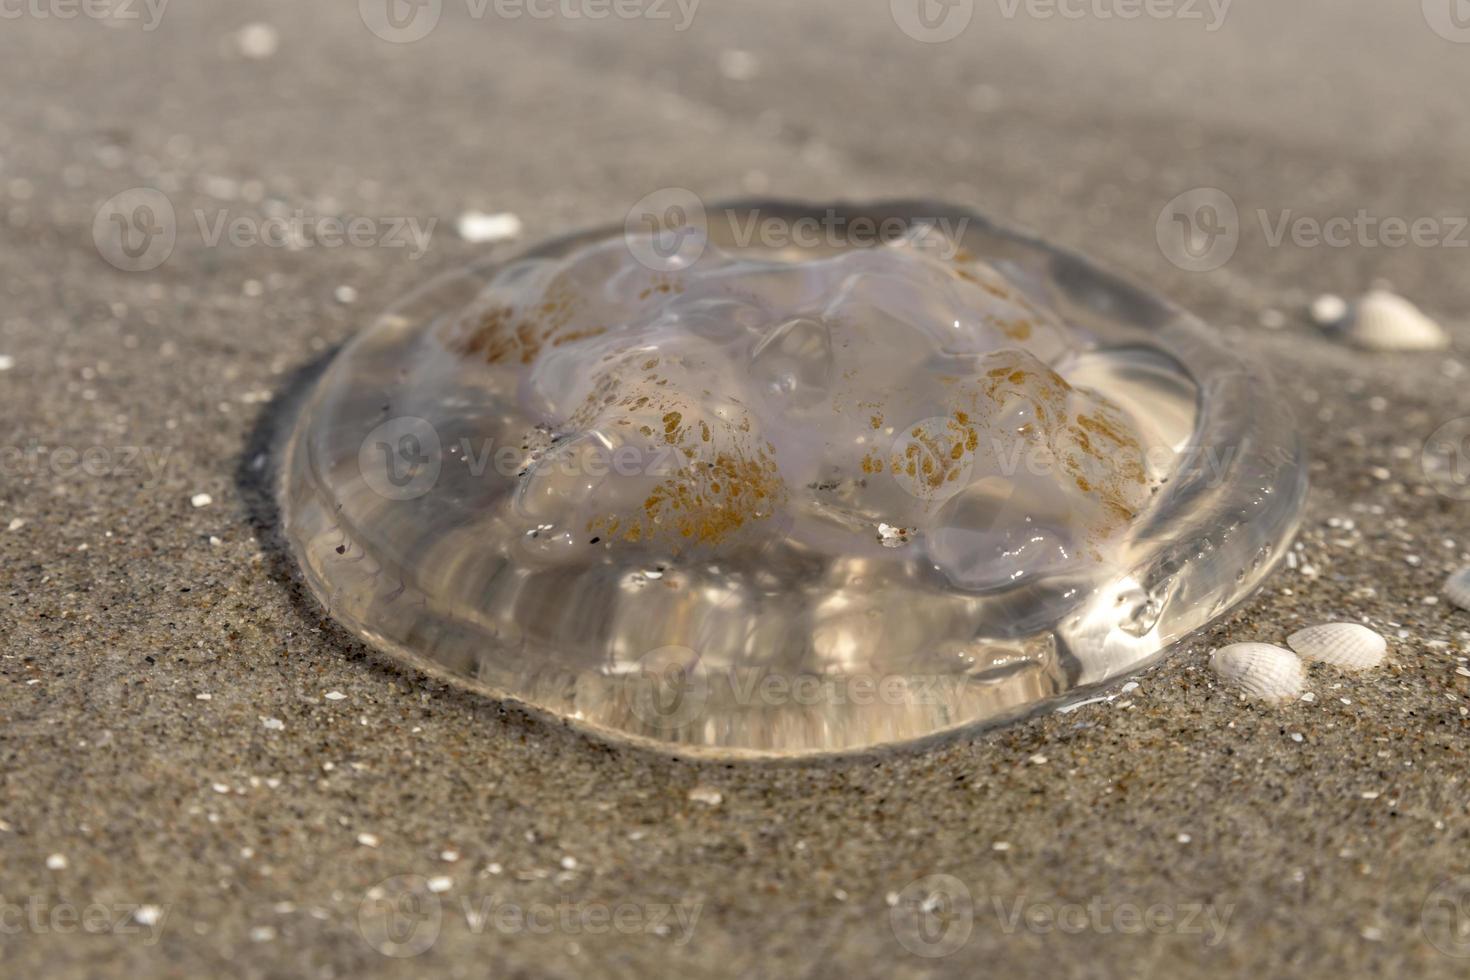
(738, 499)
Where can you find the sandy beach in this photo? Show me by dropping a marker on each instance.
(201, 774)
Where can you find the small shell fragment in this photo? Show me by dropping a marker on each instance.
(258, 41)
(1328, 310)
(1457, 588)
(1347, 645)
(1260, 670)
(706, 795)
(1381, 320)
(480, 228)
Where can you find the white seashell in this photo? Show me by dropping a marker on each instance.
(1329, 310)
(1261, 670)
(1457, 589)
(1346, 645)
(1381, 320)
(480, 228)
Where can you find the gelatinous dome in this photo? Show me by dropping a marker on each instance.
(776, 500)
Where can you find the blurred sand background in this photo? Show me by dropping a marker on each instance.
(253, 848)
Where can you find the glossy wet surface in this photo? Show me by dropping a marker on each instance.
(779, 501)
